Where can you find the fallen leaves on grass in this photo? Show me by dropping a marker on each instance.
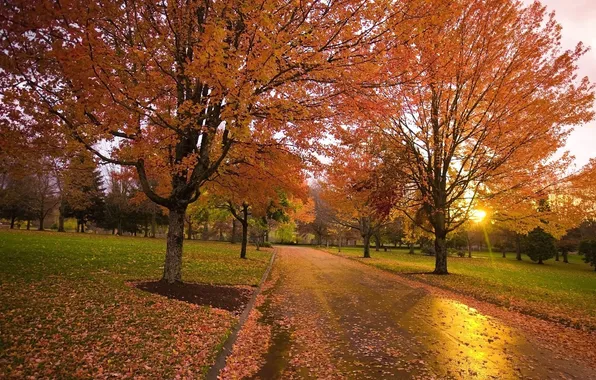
(83, 329)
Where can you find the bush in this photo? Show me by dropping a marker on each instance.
(456, 252)
(587, 248)
(428, 249)
(266, 244)
(540, 246)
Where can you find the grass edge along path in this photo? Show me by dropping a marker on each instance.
(67, 310)
(414, 267)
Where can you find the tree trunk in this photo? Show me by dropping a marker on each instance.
(377, 243)
(61, 218)
(503, 251)
(244, 231)
(146, 227)
(233, 237)
(153, 224)
(540, 260)
(469, 247)
(557, 255)
(411, 246)
(189, 232)
(339, 245)
(12, 220)
(366, 246)
(82, 227)
(517, 248)
(119, 226)
(440, 254)
(28, 224)
(41, 219)
(172, 270)
(244, 239)
(565, 258)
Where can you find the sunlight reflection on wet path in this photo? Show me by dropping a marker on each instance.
(363, 323)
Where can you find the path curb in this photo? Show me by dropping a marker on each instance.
(226, 350)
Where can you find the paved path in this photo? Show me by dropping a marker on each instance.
(337, 318)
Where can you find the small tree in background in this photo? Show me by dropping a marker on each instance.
(540, 245)
(565, 246)
(587, 248)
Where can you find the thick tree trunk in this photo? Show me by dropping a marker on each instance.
(82, 227)
(540, 260)
(503, 251)
(12, 220)
(119, 226)
(411, 250)
(233, 237)
(440, 254)
(557, 255)
(146, 227)
(565, 258)
(366, 246)
(518, 256)
(28, 224)
(469, 247)
(172, 270)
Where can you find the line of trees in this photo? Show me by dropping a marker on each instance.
(436, 106)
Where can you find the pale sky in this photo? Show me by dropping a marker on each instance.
(578, 19)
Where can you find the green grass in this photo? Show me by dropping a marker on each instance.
(555, 290)
(66, 309)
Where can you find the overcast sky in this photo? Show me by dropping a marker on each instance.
(578, 19)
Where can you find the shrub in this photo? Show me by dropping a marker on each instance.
(456, 252)
(428, 249)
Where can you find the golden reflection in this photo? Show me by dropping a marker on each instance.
(465, 343)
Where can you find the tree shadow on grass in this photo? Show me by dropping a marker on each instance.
(229, 298)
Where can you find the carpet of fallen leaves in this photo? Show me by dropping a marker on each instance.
(58, 329)
(67, 310)
(557, 292)
(250, 348)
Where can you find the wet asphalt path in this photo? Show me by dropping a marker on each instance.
(337, 318)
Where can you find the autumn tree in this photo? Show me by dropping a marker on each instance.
(357, 191)
(490, 93)
(82, 191)
(258, 184)
(172, 86)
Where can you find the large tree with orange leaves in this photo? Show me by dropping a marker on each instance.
(168, 87)
(489, 96)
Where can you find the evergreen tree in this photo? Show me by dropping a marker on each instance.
(540, 246)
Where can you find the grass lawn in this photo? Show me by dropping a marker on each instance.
(555, 290)
(66, 310)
